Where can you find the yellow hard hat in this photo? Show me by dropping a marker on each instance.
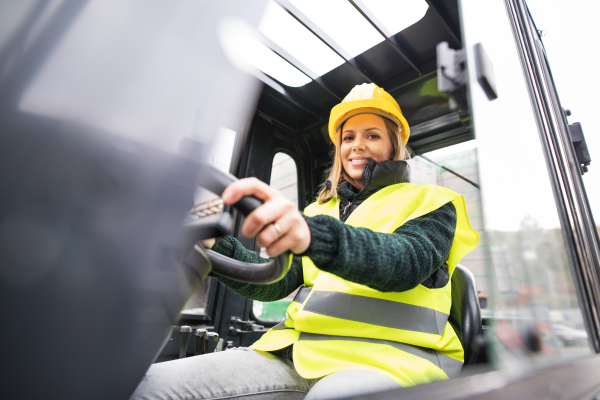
(367, 98)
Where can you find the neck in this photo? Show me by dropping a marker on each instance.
(359, 184)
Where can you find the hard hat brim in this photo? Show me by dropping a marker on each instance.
(343, 111)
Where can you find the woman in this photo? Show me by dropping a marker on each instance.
(374, 256)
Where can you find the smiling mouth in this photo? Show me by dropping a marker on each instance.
(358, 161)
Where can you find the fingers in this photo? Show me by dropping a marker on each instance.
(269, 235)
(295, 235)
(283, 244)
(266, 214)
(248, 187)
(208, 243)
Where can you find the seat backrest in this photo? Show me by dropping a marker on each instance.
(465, 313)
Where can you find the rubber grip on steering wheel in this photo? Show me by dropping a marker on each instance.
(247, 204)
(217, 181)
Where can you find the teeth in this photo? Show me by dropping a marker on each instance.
(361, 160)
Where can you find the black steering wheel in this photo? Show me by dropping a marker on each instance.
(216, 181)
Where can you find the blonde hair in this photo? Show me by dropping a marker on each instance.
(337, 175)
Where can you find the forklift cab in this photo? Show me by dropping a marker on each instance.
(106, 134)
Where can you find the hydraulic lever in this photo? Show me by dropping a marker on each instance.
(210, 342)
(185, 334)
(199, 336)
(246, 326)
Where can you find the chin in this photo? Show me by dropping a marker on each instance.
(356, 176)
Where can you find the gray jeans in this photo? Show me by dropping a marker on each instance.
(248, 374)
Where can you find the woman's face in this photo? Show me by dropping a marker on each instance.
(364, 136)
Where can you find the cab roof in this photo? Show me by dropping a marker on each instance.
(403, 64)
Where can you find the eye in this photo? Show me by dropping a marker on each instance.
(373, 136)
(348, 138)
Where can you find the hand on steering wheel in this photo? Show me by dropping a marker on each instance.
(277, 224)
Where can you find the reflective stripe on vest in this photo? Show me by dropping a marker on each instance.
(380, 312)
(302, 294)
(280, 326)
(331, 310)
(372, 311)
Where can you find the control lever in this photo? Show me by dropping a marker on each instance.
(185, 334)
(211, 340)
(246, 326)
(199, 336)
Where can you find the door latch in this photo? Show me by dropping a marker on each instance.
(581, 150)
(244, 326)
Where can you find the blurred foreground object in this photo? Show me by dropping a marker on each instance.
(106, 108)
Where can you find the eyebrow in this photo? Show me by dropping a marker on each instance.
(366, 130)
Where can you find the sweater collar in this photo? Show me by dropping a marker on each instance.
(376, 176)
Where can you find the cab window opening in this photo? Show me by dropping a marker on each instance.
(284, 177)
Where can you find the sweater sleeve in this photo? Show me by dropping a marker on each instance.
(231, 247)
(386, 262)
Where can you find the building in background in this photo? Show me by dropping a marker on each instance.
(509, 259)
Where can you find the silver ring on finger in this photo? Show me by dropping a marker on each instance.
(278, 229)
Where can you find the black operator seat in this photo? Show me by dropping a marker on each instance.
(465, 313)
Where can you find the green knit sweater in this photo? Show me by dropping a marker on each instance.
(414, 254)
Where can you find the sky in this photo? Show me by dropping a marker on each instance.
(570, 30)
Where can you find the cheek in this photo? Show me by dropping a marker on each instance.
(344, 150)
(383, 152)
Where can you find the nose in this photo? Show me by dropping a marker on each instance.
(359, 144)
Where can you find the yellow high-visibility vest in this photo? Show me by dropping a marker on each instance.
(336, 325)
